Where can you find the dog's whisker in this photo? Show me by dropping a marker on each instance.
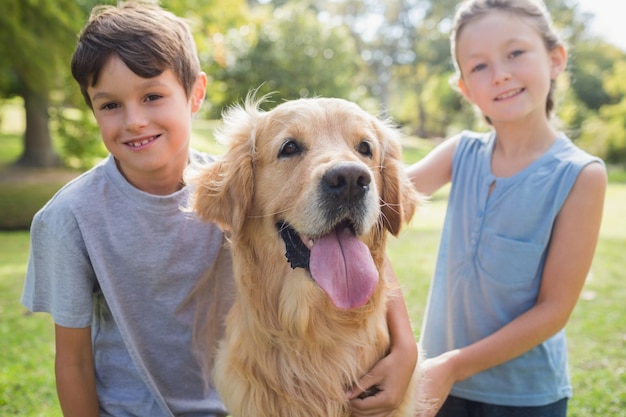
(262, 216)
(386, 204)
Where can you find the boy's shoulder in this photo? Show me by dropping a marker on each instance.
(198, 158)
(85, 187)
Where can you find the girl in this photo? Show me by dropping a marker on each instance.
(521, 228)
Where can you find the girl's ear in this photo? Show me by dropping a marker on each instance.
(198, 92)
(558, 61)
(463, 89)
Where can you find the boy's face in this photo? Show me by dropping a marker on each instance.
(146, 123)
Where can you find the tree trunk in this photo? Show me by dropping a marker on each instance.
(38, 149)
(421, 112)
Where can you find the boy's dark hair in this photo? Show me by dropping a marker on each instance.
(147, 38)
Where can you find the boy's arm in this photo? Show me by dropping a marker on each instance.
(75, 375)
(393, 373)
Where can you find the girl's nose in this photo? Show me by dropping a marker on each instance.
(500, 74)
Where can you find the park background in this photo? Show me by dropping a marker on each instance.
(392, 57)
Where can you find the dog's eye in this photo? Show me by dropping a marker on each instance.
(364, 148)
(290, 148)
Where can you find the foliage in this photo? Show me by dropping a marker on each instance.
(292, 54)
(79, 137)
(45, 32)
(11, 148)
(391, 56)
(590, 63)
(604, 132)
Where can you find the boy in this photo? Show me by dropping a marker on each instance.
(113, 257)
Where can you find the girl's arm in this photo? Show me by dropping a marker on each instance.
(434, 170)
(569, 258)
(75, 375)
(393, 373)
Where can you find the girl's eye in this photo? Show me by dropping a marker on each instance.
(516, 53)
(479, 67)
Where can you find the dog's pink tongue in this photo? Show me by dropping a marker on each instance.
(343, 267)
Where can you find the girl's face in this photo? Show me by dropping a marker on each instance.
(506, 69)
(145, 123)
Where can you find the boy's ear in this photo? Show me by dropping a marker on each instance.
(198, 92)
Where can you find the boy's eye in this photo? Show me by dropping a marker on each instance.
(109, 106)
(153, 97)
(516, 53)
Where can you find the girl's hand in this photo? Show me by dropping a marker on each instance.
(435, 383)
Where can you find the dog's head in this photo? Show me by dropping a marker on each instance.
(323, 176)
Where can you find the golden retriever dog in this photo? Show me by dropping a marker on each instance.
(306, 193)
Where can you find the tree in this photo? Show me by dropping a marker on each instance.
(591, 62)
(291, 53)
(404, 45)
(36, 40)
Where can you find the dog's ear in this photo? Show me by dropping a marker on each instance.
(225, 189)
(399, 199)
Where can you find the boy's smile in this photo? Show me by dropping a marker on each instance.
(145, 123)
(141, 143)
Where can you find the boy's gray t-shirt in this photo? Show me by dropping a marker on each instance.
(107, 255)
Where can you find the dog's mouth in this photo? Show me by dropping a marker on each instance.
(339, 262)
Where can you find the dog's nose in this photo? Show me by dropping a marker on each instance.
(347, 182)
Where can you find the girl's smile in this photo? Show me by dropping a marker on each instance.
(506, 70)
(509, 94)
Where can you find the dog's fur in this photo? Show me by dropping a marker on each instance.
(288, 350)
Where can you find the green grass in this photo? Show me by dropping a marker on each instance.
(596, 332)
(26, 340)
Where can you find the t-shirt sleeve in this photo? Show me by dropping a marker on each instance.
(59, 276)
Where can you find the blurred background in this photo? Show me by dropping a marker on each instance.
(390, 56)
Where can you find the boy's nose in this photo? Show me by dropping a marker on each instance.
(135, 119)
